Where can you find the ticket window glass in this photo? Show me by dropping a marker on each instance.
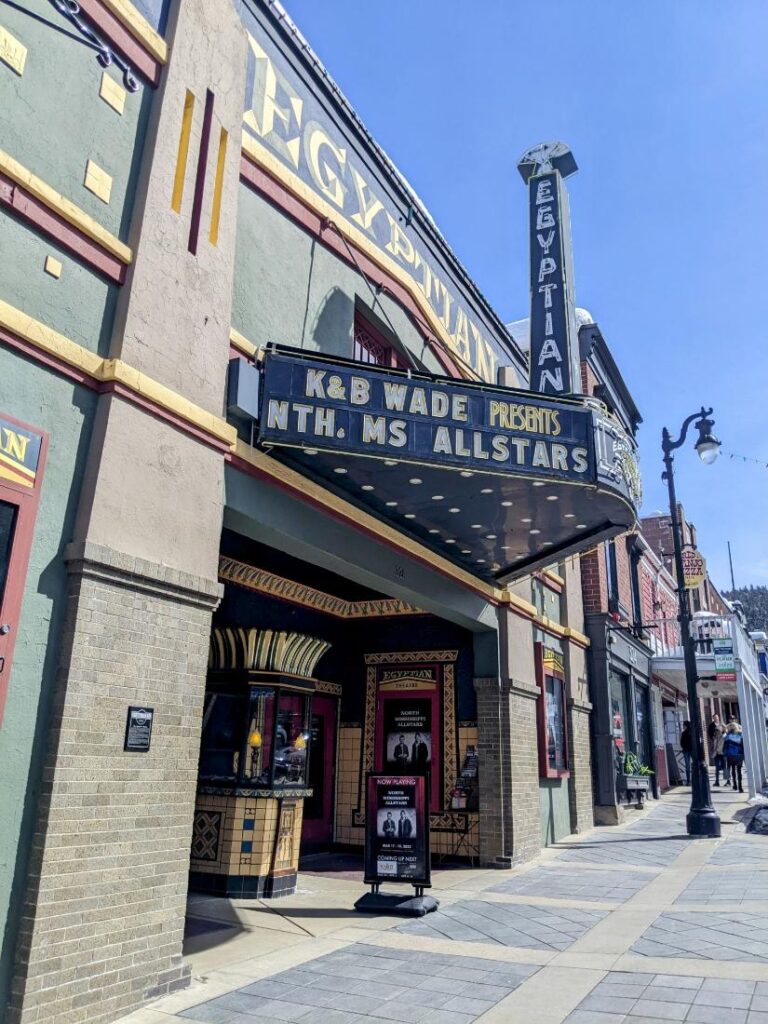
(259, 738)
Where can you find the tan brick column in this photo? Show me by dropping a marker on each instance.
(103, 918)
(580, 758)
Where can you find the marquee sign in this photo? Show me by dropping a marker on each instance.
(315, 404)
(290, 126)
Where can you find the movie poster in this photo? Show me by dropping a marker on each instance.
(397, 829)
(408, 735)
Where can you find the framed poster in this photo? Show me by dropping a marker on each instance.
(397, 829)
(552, 720)
(408, 734)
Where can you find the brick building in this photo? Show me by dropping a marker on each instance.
(231, 592)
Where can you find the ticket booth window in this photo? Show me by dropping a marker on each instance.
(7, 528)
(260, 737)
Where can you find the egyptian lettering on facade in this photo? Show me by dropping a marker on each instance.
(280, 117)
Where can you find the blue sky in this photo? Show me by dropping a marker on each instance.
(665, 106)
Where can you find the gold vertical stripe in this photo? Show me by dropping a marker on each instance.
(218, 187)
(181, 158)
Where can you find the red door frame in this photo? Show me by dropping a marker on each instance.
(435, 696)
(316, 831)
(26, 498)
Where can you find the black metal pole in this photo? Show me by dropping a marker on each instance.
(702, 820)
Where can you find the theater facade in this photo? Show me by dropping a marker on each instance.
(277, 505)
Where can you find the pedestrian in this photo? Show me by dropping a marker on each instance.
(714, 729)
(733, 748)
(686, 743)
(720, 765)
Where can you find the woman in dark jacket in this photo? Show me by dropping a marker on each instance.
(685, 746)
(733, 749)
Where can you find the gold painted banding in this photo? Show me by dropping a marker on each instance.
(139, 27)
(241, 343)
(65, 208)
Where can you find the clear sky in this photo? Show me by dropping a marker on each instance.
(665, 106)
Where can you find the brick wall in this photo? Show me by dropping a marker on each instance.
(104, 928)
(594, 584)
(580, 759)
(524, 771)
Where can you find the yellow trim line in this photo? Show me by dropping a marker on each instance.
(241, 343)
(107, 370)
(139, 27)
(64, 207)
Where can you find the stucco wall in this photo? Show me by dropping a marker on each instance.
(31, 393)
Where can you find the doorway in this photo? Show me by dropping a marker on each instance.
(317, 829)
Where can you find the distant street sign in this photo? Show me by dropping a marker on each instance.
(725, 663)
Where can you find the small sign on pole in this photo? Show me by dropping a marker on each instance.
(397, 844)
(725, 663)
(694, 570)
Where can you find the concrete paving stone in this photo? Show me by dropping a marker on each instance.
(626, 978)
(270, 989)
(756, 1017)
(380, 990)
(476, 990)
(466, 973)
(432, 1000)
(728, 985)
(647, 1007)
(762, 988)
(564, 883)
(623, 991)
(671, 994)
(593, 1017)
(715, 1015)
(209, 1014)
(452, 986)
(447, 1017)
(463, 1004)
(731, 1000)
(255, 1006)
(362, 1004)
(759, 1003)
(330, 1016)
(608, 1003)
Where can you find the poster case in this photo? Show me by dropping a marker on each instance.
(397, 829)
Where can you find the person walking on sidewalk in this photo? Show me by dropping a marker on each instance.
(720, 765)
(733, 748)
(714, 730)
(685, 746)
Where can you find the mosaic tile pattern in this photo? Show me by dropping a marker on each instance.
(370, 985)
(574, 884)
(526, 926)
(656, 998)
(721, 935)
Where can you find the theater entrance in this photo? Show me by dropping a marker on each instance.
(317, 829)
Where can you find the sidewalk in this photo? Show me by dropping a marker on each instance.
(636, 924)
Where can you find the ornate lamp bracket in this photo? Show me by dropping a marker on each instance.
(70, 10)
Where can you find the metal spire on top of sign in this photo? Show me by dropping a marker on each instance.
(554, 349)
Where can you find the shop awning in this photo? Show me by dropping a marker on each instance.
(500, 481)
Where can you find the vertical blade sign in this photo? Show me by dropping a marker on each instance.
(552, 322)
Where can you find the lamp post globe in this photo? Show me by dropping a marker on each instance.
(702, 819)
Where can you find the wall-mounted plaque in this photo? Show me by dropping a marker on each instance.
(138, 729)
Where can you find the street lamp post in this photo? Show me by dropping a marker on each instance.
(702, 820)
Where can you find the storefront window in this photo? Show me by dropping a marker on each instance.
(618, 715)
(7, 520)
(642, 718)
(557, 753)
(259, 738)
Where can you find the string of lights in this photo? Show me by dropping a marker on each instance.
(746, 458)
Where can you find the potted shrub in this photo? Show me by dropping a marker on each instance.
(636, 776)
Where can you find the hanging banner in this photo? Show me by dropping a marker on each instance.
(694, 569)
(397, 829)
(725, 662)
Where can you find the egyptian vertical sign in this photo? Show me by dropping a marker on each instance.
(554, 360)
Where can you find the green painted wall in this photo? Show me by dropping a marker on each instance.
(79, 304)
(290, 290)
(555, 810)
(60, 121)
(46, 400)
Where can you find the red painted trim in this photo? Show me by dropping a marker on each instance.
(64, 234)
(29, 350)
(312, 222)
(26, 502)
(118, 36)
(348, 521)
(545, 772)
(202, 162)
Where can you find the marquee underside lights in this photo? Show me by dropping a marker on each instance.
(546, 478)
